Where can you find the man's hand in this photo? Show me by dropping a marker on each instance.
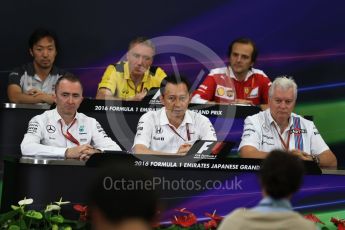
(42, 96)
(86, 154)
(302, 155)
(243, 101)
(183, 149)
(46, 98)
(78, 151)
(34, 92)
(140, 96)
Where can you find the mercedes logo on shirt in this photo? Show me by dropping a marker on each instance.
(50, 128)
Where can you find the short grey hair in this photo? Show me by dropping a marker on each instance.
(144, 41)
(285, 83)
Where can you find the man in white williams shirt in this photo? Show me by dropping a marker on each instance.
(172, 129)
(63, 132)
(279, 128)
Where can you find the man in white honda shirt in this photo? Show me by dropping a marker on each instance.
(172, 129)
(63, 132)
(238, 83)
(279, 128)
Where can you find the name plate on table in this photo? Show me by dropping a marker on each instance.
(174, 162)
(204, 155)
(91, 105)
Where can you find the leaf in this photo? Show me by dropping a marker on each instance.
(8, 215)
(57, 219)
(34, 215)
(15, 207)
(22, 224)
(14, 227)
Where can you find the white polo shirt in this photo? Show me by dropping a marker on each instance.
(156, 133)
(260, 132)
(44, 136)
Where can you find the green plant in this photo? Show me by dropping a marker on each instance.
(50, 218)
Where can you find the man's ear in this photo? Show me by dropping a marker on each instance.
(161, 99)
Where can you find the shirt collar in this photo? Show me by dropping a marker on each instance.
(275, 203)
(272, 121)
(163, 119)
(31, 70)
(56, 116)
(232, 75)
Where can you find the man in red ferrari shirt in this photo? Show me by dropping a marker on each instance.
(238, 83)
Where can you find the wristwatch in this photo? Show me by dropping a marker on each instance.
(315, 159)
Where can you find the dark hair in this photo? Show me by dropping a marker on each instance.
(40, 33)
(244, 41)
(69, 77)
(173, 79)
(118, 203)
(142, 40)
(281, 174)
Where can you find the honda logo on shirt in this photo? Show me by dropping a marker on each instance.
(159, 130)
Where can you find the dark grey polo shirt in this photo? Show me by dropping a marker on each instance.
(27, 79)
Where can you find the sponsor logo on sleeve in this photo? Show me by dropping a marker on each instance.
(267, 137)
(249, 130)
(101, 130)
(267, 143)
(33, 126)
(203, 86)
(316, 132)
(140, 128)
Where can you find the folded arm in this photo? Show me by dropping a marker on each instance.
(16, 95)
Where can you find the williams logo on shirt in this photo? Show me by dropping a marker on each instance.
(298, 131)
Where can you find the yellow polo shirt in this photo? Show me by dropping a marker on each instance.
(117, 79)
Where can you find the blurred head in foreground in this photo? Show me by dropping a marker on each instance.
(122, 198)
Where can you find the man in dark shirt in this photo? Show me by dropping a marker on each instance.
(35, 82)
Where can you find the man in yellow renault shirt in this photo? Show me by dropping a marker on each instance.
(132, 79)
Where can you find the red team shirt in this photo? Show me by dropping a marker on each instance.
(219, 87)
